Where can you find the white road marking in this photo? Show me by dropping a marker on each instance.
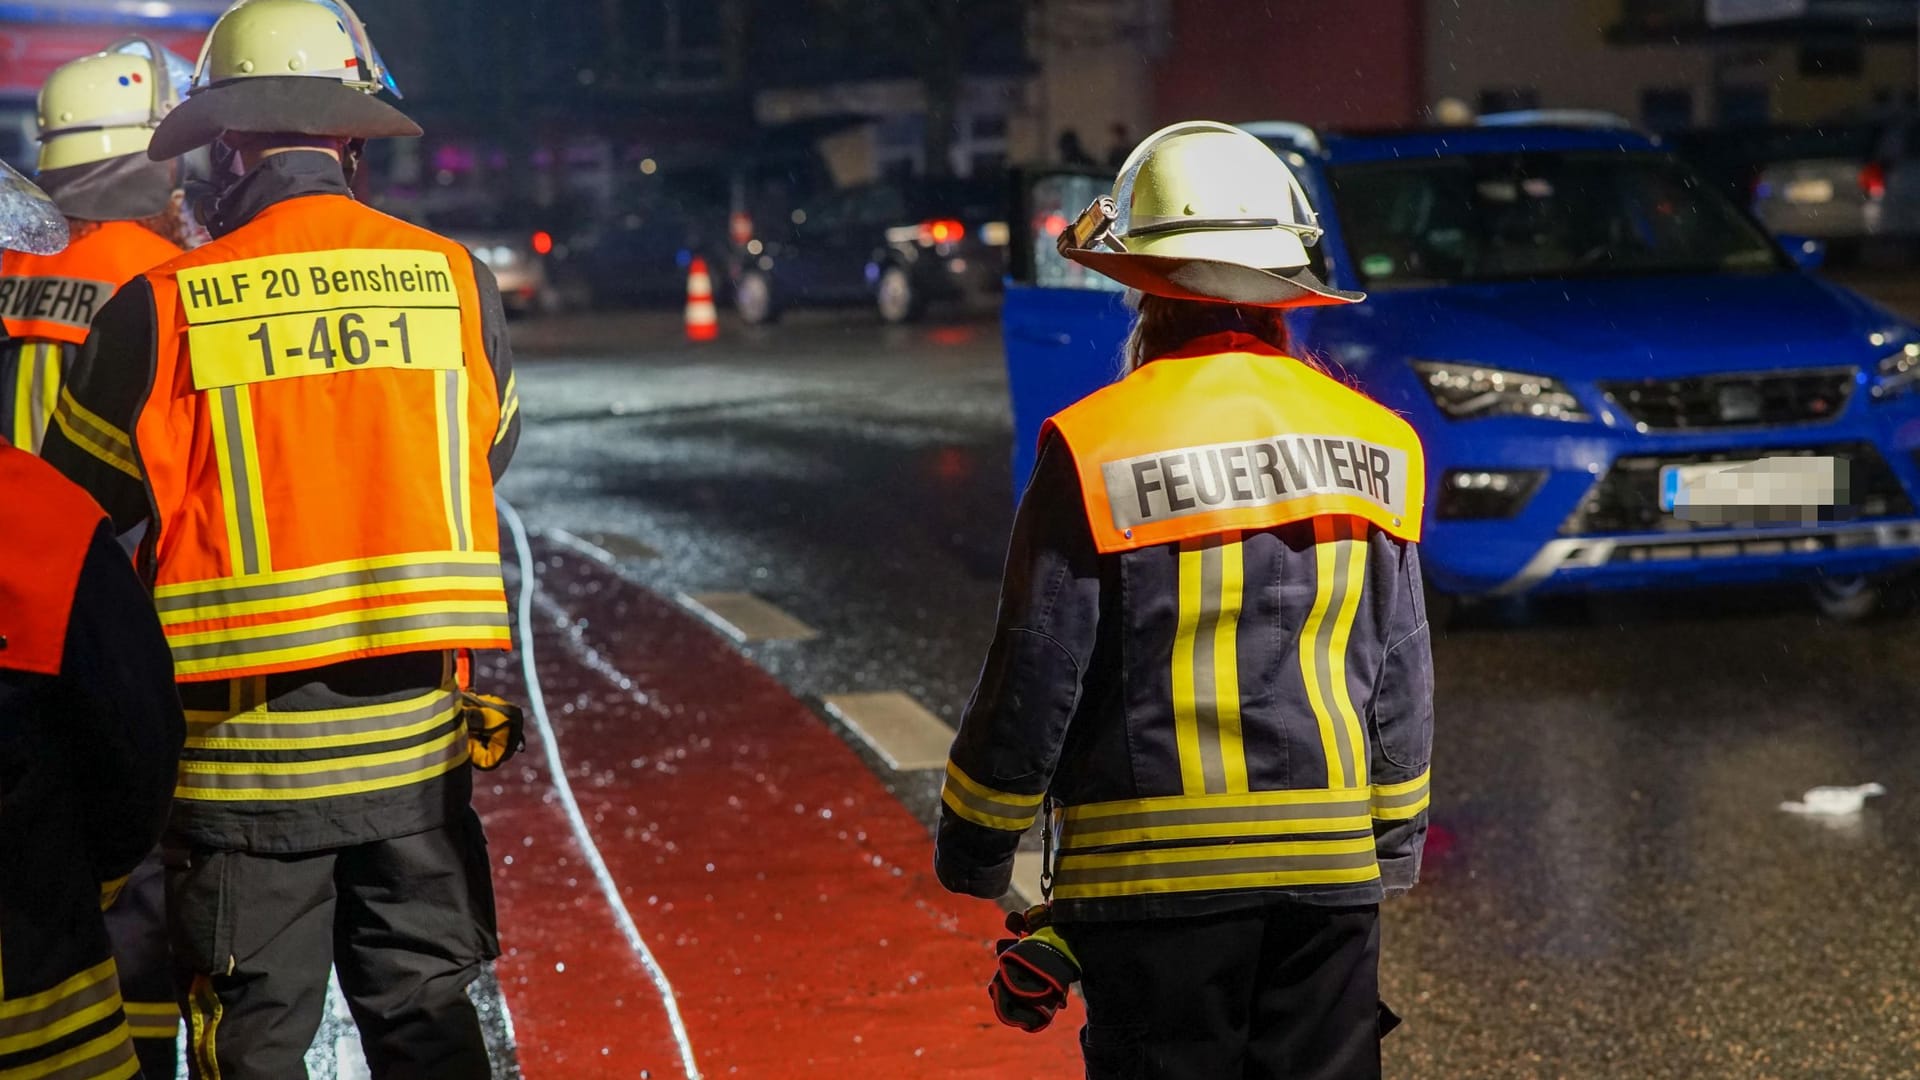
(603, 547)
(563, 788)
(905, 735)
(746, 618)
(1026, 877)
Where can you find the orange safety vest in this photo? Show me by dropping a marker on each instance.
(1199, 444)
(47, 303)
(46, 526)
(316, 443)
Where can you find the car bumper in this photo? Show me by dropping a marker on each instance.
(1541, 549)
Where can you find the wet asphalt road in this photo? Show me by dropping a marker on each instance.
(1611, 889)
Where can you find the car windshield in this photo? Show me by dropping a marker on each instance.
(1502, 217)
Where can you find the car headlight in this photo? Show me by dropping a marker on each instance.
(1472, 392)
(504, 256)
(1898, 373)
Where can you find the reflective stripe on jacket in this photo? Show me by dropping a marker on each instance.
(47, 304)
(317, 445)
(1235, 713)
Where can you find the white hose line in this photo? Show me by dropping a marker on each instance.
(557, 772)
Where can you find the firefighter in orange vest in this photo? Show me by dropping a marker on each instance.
(1211, 673)
(311, 410)
(97, 115)
(90, 730)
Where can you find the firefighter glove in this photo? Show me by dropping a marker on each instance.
(1031, 984)
(496, 730)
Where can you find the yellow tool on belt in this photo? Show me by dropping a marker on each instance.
(496, 729)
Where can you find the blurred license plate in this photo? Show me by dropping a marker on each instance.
(1810, 191)
(1775, 482)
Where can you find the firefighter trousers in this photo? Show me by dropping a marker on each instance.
(1282, 992)
(137, 924)
(406, 923)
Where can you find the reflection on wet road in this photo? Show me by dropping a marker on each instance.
(1611, 888)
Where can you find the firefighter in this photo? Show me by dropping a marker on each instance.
(311, 409)
(97, 115)
(1211, 672)
(90, 730)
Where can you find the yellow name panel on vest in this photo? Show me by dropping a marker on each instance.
(71, 302)
(1195, 480)
(319, 313)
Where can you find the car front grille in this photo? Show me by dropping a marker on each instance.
(1718, 401)
(1627, 498)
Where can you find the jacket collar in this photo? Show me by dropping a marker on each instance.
(292, 175)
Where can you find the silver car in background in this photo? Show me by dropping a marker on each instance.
(1853, 185)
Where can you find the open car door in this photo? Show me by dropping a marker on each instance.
(1063, 324)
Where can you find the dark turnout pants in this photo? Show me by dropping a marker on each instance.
(1283, 992)
(137, 923)
(407, 923)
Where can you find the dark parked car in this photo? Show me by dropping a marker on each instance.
(636, 251)
(898, 246)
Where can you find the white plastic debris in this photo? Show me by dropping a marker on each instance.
(1833, 801)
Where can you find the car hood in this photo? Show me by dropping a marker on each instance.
(1628, 327)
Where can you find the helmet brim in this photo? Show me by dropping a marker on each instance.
(294, 105)
(1214, 282)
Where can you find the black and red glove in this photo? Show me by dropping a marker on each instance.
(1036, 969)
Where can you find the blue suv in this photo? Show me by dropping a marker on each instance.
(1621, 380)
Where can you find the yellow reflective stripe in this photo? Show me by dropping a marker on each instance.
(153, 1019)
(1402, 801)
(93, 976)
(1186, 711)
(384, 725)
(110, 891)
(439, 636)
(509, 407)
(1217, 866)
(202, 1024)
(1226, 660)
(254, 713)
(20, 433)
(236, 635)
(109, 1057)
(1181, 817)
(449, 423)
(255, 525)
(987, 807)
(51, 375)
(221, 406)
(101, 440)
(51, 1015)
(1325, 564)
(447, 753)
(1355, 554)
(325, 570)
(379, 590)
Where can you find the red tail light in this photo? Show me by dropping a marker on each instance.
(942, 231)
(1873, 180)
(543, 243)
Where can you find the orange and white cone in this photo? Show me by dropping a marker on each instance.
(703, 322)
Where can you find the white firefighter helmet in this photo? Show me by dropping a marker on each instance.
(303, 67)
(107, 105)
(1205, 211)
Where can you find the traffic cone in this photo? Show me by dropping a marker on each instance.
(703, 322)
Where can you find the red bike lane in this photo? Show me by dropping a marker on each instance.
(787, 896)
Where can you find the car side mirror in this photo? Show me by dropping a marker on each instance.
(1806, 252)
